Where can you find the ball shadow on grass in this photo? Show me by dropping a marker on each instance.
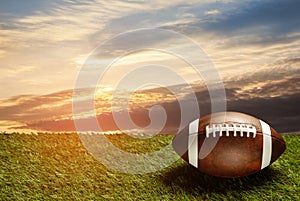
(190, 179)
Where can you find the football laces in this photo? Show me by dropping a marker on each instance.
(225, 128)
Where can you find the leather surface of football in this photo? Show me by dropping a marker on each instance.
(229, 144)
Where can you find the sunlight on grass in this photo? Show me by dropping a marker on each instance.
(56, 166)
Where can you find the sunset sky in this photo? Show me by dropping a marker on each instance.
(254, 45)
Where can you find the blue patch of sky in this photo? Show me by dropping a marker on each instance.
(20, 8)
(280, 16)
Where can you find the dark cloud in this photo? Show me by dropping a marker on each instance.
(277, 79)
(32, 107)
(282, 113)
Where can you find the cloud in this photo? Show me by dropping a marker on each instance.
(280, 112)
(2, 53)
(256, 94)
(284, 118)
(51, 40)
(51, 37)
(241, 22)
(212, 12)
(16, 70)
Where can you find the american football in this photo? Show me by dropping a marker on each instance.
(229, 144)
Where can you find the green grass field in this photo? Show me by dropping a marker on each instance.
(57, 166)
